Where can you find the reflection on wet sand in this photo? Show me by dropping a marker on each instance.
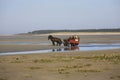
(74, 48)
(55, 50)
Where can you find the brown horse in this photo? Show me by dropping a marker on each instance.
(55, 39)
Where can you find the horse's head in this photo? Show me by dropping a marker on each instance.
(50, 37)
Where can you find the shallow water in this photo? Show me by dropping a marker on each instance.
(81, 47)
(84, 47)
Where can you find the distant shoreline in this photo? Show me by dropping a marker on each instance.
(73, 30)
(84, 33)
(67, 33)
(75, 33)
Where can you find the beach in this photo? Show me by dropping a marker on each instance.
(75, 65)
(94, 65)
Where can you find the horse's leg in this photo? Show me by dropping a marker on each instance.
(60, 43)
(57, 43)
(53, 43)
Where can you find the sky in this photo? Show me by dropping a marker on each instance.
(22, 16)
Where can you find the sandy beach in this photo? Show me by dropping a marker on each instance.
(80, 65)
(93, 65)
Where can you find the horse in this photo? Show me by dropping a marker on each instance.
(55, 39)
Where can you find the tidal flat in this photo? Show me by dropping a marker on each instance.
(80, 65)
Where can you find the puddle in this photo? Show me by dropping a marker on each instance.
(81, 47)
(92, 47)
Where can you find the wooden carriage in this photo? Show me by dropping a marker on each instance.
(72, 41)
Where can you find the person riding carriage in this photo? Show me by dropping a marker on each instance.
(72, 40)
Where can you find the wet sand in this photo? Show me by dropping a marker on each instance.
(83, 65)
(18, 48)
(84, 39)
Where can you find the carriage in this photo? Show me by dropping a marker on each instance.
(72, 41)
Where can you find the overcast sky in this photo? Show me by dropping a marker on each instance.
(19, 16)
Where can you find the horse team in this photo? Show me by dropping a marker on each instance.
(71, 41)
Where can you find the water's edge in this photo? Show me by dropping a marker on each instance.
(81, 47)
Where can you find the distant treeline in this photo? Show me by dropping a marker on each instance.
(86, 30)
